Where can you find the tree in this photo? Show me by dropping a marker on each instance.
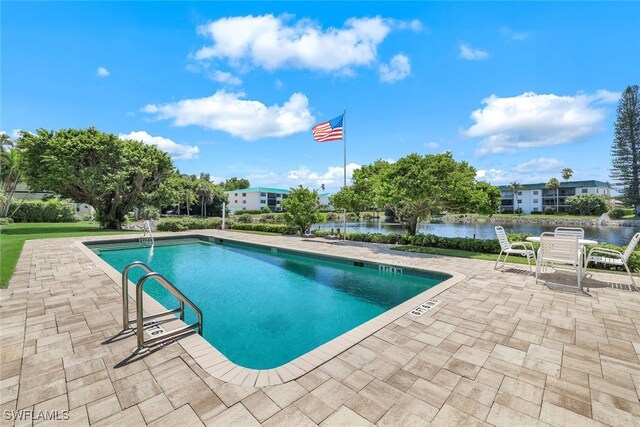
(9, 172)
(485, 200)
(204, 190)
(417, 186)
(92, 167)
(348, 199)
(301, 208)
(554, 183)
(567, 173)
(587, 204)
(236, 184)
(625, 150)
(514, 187)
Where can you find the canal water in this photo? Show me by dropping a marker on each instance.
(614, 235)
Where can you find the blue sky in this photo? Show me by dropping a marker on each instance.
(519, 90)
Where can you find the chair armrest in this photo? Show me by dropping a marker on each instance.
(605, 251)
(524, 245)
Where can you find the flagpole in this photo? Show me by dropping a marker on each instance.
(344, 138)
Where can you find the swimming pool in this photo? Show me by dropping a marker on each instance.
(262, 306)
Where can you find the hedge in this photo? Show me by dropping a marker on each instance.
(617, 213)
(45, 211)
(183, 224)
(269, 228)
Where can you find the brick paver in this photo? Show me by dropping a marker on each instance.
(498, 350)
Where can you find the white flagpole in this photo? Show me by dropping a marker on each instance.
(344, 138)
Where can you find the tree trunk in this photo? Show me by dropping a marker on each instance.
(557, 202)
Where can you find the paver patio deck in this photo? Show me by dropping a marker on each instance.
(498, 350)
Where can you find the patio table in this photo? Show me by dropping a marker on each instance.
(581, 242)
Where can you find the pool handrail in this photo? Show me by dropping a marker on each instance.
(142, 343)
(125, 291)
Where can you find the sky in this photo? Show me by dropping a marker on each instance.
(519, 90)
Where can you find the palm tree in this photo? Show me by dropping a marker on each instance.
(514, 187)
(9, 175)
(204, 192)
(567, 173)
(554, 183)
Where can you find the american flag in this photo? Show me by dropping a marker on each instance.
(328, 131)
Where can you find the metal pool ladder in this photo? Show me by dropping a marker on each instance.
(145, 238)
(143, 344)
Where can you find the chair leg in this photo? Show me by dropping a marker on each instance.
(631, 276)
(495, 267)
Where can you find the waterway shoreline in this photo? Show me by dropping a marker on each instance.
(538, 220)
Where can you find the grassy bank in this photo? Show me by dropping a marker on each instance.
(13, 236)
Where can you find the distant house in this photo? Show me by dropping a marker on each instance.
(535, 197)
(23, 193)
(256, 198)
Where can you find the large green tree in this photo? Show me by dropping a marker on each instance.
(92, 167)
(566, 173)
(486, 199)
(417, 186)
(625, 150)
(301, 208)
(235, 184)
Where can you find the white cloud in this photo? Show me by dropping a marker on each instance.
(332, 177)
(272, 42)
(531, 120)
(541, 169)
(398, 68)
(225, 78)
(176, 151)
(512, 35)
(102, 72)
(229, 112)
(431, 144)
(14, 135)
(468, 52)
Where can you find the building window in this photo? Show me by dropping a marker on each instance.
(263, 194)
(263, 201)
(519, 201)
(535, 200)
(535, 209)
(584, 190)
(535, 192)
(236, 194)
(236, 202)
(244, 194)
(244, 202)
(519, 193)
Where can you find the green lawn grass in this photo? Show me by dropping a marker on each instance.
(12, 239)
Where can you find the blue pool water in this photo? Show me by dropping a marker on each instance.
(263, 309)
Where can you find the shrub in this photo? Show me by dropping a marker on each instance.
(616, 213)
(149, 212)
(269, 228)
(50, 211)
(266, 210)
(271, 218)
(332, 216)
(251, 211)
(6, 221)
(187, 223)
(549, 210)
(352, 217)
(87, 217)
(587, 204)
(245, 218)
(518, 211)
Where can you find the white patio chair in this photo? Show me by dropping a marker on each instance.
(569, 231)
(614, 257)
(573, 231)
(507, 249)
(563, 249)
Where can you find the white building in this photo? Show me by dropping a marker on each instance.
(256, 198)
(535, 197)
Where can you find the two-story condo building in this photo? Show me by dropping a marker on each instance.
(536, 197)
(256, 198)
